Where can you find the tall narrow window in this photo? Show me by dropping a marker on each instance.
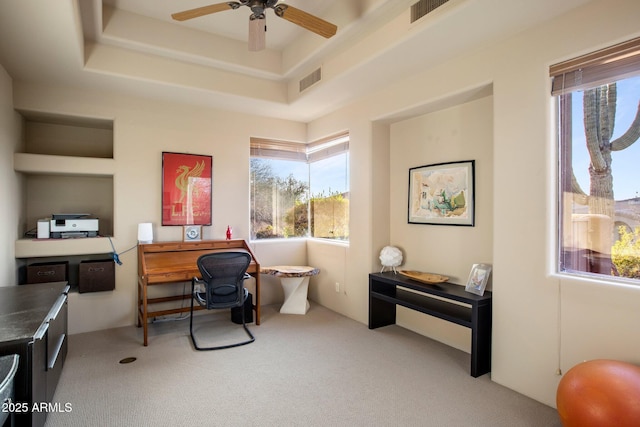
(300, 190)
(598, 99)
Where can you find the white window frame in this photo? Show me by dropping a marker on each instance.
(308, 153)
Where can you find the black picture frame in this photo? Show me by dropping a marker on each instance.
(442, 194)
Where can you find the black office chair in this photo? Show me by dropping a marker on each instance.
(223, 275)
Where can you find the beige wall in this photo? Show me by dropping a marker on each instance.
(11, 184)
(598, 319)
(142, 130)
(462, 132)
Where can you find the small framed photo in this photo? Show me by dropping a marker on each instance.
(191, 233)
(478, 278)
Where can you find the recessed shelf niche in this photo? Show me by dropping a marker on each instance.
(68, 167)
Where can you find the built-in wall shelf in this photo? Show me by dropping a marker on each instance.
(40, 248)
(67, 167)
(44, 164)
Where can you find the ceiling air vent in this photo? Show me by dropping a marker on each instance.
(423, 7)
(311, 79)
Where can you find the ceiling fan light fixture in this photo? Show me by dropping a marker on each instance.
(257, 33)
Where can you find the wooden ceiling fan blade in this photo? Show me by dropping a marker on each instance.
(306, 20)
(205, 10)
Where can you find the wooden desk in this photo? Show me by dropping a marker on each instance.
(174, 262)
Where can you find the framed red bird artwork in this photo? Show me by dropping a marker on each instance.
(186, 189)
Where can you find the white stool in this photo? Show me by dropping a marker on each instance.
(295, 284)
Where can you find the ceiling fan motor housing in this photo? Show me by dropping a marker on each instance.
(258, 6)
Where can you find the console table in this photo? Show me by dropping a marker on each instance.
(174, 262)
(440, 300)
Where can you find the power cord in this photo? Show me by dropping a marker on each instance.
(116, 259)
(175, 318)
(33, 233)
(115, 255)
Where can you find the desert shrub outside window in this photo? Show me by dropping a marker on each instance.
(300, 190)
(598, 104)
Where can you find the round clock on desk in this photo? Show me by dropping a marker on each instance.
(192, 232)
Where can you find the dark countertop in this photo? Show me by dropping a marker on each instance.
(23, 308)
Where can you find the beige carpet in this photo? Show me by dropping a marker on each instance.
(321, 369)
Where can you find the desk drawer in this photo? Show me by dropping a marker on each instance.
(56, 345)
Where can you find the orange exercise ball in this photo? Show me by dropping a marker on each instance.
(600, 393)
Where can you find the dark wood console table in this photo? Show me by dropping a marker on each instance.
(174, 262)
(385, 291)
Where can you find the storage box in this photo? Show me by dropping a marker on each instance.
(96, 276)
(44, 272)
(236, 312)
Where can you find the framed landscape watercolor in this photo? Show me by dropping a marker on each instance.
(442, 194)
(186, 189)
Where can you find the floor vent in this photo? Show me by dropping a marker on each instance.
(311, 79)
(424, 7)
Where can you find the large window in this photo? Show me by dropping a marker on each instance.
(598, 99)
(300, 190)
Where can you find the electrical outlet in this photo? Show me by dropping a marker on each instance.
(337, 286)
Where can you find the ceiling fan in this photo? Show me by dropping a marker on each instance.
(257, 20)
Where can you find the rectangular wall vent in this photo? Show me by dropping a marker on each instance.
(423, 7)
(311, 79)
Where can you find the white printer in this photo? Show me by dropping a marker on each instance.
(65, 226)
